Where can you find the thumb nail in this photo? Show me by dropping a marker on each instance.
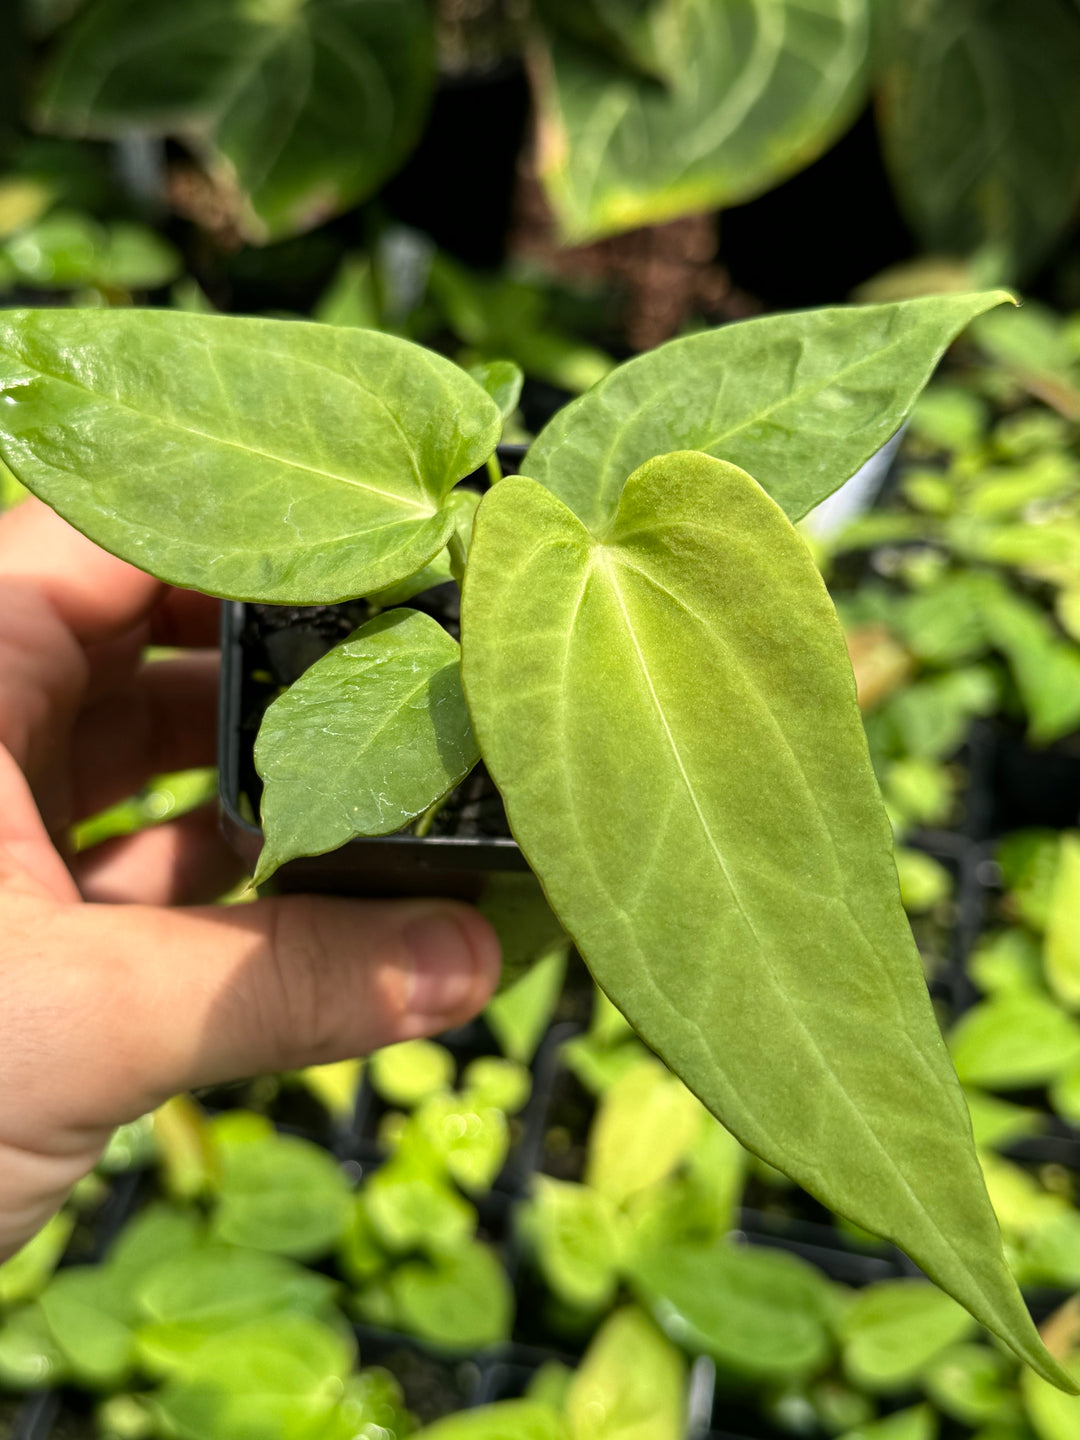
(444, 965)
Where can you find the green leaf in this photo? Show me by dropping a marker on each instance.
(973, 1384)
(502, 380)
(646, 1123)
(917, 1423)
(800, 401)
(980, 114)
(277, 1378)
(505, 1420)
(365, 740)
(69, 249)
(285, 1195)
(27, 1272)
(30, 1357)
(670, 717)
(754, 92)
(631, 1384)
(579, 1238)
(1052, 1415)
(154, 431)
(304, 107)
(642, 35)
(412, 1206)
(470, 1138)
(1014, 1040)
(527, 928)
(893, 1329)
(996, 1122)
(1062, 953)
(761, 1313)
(407, 1074)
(494, 1081)
(222, 1285)
(90, 1318)
(461, 1300)
(518, 1016)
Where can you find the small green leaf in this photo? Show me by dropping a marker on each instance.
(491, 1080)
(753, 92)
(505, 1420)
(1017, 1039)
(502, 380)
(222, 1285)
(407, 1074)
(412, 1206)
(631, 1384)
(1062, 953)
(761, 1313)
(155, 431)
(470, 1138)
(918, 1423)
(579, 1238)
(30, 1357)
(527, 928)
(893, 1329)
(90, 1318)
(27, 1272)
(801, 401)
(973, 1384)
(518, 1016)
(284, 1195)
(1052, 1415)
(365, 740)
(461, 1300)
(646, 1123)
(670, 717)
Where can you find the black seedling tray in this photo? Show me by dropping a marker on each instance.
(262, 650)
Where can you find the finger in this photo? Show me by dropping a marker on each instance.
(186, 618)
(30, 865)
(184, 862)
(142, 1003)
(96, 595)
(163, 719)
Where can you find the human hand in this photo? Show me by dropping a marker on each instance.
(110, 1002)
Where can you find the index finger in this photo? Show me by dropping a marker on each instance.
(97, 596)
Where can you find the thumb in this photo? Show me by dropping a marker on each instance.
(184, 998)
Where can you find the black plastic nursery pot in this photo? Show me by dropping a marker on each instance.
(264, 647)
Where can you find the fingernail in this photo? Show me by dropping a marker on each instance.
(444, 967)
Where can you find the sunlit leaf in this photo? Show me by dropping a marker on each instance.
(152, 431)
(893, 1329)
(800, 401)
(630, 1386)
(652, 705)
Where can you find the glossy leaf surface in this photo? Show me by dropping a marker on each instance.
(304, 106)
(365, 740)
(755, 90)
(980, 122)
(256, 459)
(800, 401)
(653, 709)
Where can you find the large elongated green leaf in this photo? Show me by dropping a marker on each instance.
(304, 105)
(755, 90)
(670, 716)
(367, 739)
(980, 122)
(256, 459)
(801, 401)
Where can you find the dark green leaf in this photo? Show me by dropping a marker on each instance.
(305, 106)
(754, 92)
(670, 716)
(801, 401)
(365, 740)
(980, 116)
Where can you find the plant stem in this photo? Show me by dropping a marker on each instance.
(494, 469)
(427, 819)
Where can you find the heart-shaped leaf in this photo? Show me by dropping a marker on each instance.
(365, 740)
(630, 1385)
(755, 90)
(305, 106)
(256, 459)
(670, 715)
(980, 119)
(801, 401)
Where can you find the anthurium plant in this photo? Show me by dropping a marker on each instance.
(650, 667)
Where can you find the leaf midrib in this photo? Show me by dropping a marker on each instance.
(837, 1085)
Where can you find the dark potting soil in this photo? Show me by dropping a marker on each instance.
(431, 1387)
(280, 642)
